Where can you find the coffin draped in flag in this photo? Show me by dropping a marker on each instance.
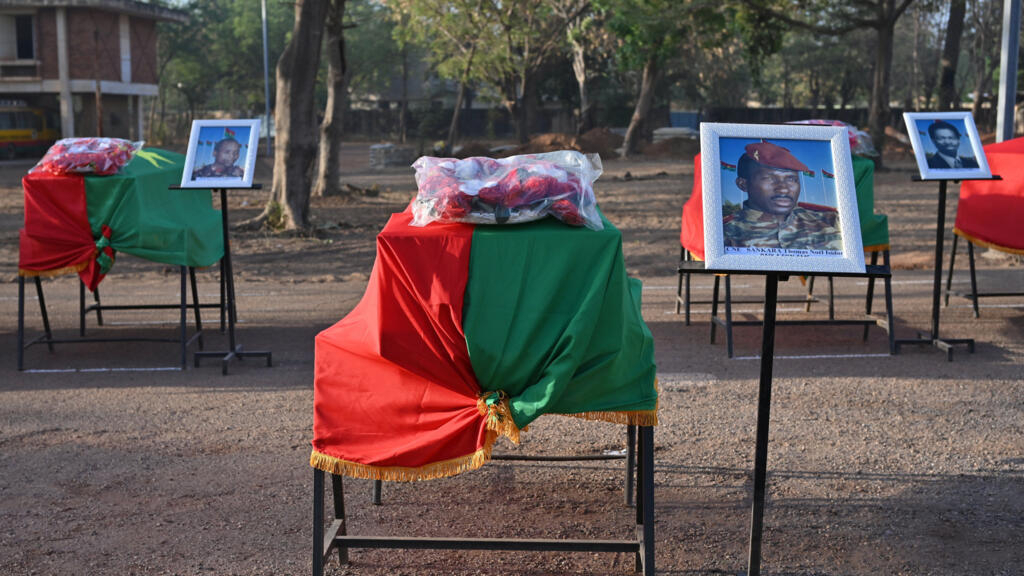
(76, 223)
(467, 333)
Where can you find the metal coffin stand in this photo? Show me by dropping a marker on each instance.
(974, 295)
(336, 536)
(47, 336)
(873, 271)
(629, 456)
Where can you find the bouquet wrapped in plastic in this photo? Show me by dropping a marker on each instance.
(102, 156)
(516, 189)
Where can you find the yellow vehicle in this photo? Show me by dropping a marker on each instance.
(25, 130)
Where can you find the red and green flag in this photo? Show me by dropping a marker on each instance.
(76, 224)
(827, 174)
(729, 167)
(467, 333)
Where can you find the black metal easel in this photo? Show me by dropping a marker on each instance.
(336, 536)
(764, 397)
(933, 338)
(234, 349)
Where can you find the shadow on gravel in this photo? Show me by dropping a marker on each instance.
(156, 364)
(916, 523)
(832, 351)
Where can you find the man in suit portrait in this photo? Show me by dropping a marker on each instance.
(946, 139)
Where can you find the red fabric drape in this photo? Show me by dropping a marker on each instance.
(692, 234)
(57, 238)
(990, 212)
(399, 361)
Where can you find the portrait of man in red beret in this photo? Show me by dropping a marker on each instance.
(772, 216)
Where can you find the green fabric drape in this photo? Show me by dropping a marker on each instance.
(874, 228)
(147, 219)
(552, 320)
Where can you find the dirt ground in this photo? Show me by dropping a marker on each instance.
(113, 462)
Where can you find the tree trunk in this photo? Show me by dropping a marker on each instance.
(878, 111)
(915, 101)
(530, 108)
(328, 176)
(642, 109)
(579, 68)
(453, 128)
(295, 119)
(403, 125)
(787, 91)
(948, 98)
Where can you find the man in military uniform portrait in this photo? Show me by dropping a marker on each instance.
(225, 154)
(771, 216)
(946, 139)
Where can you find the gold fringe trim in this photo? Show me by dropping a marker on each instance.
(73, 269)
(628, 417)
(981, 242)
(633, 418)
(432, 471)
(499, 415)
(876, 248)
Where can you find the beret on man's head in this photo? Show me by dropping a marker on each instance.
(774, 156)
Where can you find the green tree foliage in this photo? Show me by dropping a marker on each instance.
(502, 43)
(374, 55)
(812, 71)
(916, 54)
(651, 32)
(760, 32)
(215, 60)
(453, 32)
(982, 44)
(838, 17)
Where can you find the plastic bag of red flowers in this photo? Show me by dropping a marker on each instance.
(100, 156)
(482, 190)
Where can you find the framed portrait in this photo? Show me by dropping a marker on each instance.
(946, 145)
(779, 198)
(221, 154)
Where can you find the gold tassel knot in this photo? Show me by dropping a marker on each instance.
(495, 407)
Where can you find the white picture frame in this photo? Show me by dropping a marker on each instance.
(927, 128)
(827, 207)
(221, 154)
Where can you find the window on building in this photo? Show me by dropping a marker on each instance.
(17, 37)
(23, 30)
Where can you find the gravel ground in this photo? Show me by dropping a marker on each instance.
(878, 464)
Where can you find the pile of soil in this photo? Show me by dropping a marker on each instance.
(596, 141)
(672, 148)
(601, 141)
(471, 149)
(897, 144)
(550, 142)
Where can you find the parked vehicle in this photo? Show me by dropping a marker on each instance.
(26, 130)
